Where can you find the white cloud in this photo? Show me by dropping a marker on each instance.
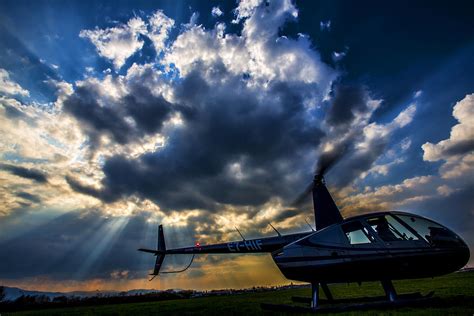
(458, 150)
(192, 20)
(461, 138)
(405, 144)
(245, 9)
(405, 117)
(382, 169)
(389, 197)
(337, 56)
(444, 190)
(374, 132)
(459, 167)
(216, 12)
(259, 52)
(117, 43)
(160, 27)
(63, 90)
(9, 87)
(325, 25)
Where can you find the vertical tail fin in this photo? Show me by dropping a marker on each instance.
(161, 239)
(160, 257)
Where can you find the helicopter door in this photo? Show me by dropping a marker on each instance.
(360, 239)
(364, 252)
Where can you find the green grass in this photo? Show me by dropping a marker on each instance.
(455, 293)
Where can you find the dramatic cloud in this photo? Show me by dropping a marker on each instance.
(32, 174)
(236, 124)
(457, 152)
(461, 140)
(216, 12)
(160, 26)
(122, 41)
(244, 122)
(117, 43)
(9, 87)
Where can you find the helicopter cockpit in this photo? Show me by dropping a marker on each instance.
(431, 232)
(394, 228)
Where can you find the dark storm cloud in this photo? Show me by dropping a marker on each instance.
(12, 112)
(97, 119)
(459, 148)
(28, 196)
(78, 187)
(27, 173)
(224, 125)
(348, 101)
(148, 112)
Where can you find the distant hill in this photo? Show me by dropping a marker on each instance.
(12, 293)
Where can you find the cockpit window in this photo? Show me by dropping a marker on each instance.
(356, 233)
(433, 233)
(389, 229)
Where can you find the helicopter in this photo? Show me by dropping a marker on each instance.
(383, 246)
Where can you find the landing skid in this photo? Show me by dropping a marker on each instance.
(403, 297)
(344, 305)
(391, 299)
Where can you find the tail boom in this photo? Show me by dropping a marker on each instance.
(259, 245)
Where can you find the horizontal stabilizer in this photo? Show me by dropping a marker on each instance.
(150, 251)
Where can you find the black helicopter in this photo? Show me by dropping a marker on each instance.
(381, 247)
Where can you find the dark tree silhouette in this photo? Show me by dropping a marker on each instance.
(2, 293)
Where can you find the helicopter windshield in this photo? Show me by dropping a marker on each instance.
(390, 229)
(433, 233)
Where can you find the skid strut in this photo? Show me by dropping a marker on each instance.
(314, 295)
(390, 292)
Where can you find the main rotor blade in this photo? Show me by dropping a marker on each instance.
(325, 163)
(329, 159)
(302, 197)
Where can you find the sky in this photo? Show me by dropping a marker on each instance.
(202, 116)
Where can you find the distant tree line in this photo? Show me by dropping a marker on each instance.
(2, 293)
(29, 302)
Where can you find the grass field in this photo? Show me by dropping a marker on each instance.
(454, 296)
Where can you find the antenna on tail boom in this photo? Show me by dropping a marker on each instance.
(279, 235)
(243, 238)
